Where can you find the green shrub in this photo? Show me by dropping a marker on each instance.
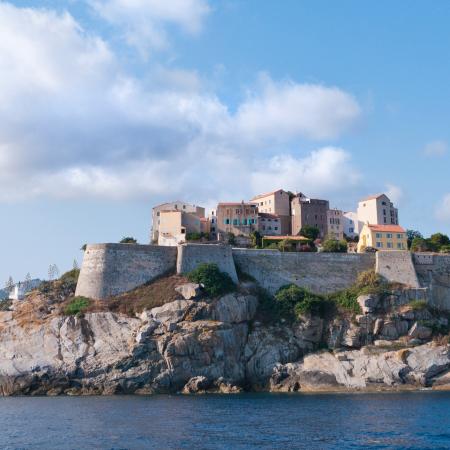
(77, 306)
(348, 300)
(213, 280)
(335, 246)
(418, 305)
(194, 236)
(293, 300)
(128, 240)
(70, 277)
(369, 282)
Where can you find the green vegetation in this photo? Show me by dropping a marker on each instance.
(335, 246)
(437, 242)
(411, 235)
(293, 300)
(70, 277)
(231, 239)
(128, 240)
(194, 236)
(418, 305)
(256, 238)
(310, 232)
(77, 306)
(213, 280)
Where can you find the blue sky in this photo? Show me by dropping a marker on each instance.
(110, 106)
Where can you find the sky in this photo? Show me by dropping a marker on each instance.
(108, 107)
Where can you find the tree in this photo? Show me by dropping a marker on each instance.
(419, 244)
(84, 246)
(9, 285)
(53, 272)
(27, 282)
(411, 234)
(438, 240)
(285, 245)
(310, 232)
(334, 246)
(256, 238)
(128, 240)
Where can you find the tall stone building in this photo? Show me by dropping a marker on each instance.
(278, 204)
(309, 211)
(335, 223)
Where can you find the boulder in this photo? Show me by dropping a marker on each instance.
(189, 290)
(389, 331)
(196, 385)
(234, 308)
(368, 303)
(419, 331)
(172, 312)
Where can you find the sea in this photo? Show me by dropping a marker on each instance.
(412, 420)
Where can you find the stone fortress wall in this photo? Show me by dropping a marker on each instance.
(111, 269)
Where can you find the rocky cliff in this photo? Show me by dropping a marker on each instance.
(217, 345)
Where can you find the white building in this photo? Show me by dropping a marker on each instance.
(377, 210)
(20, 289)
(352, 226)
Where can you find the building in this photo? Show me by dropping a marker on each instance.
(352, 225)
(175, 225)
(278, 203)
(335, 220)
(172, 206)
(309, 211)
(240, 219)
(269, 224)
(377, 210)
(382, 237)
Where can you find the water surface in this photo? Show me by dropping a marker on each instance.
(249, 421)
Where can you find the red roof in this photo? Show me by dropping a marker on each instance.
(387, 228)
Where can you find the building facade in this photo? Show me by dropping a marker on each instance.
(309, 211)
(269, 224)
(277, 203)
(172, 206)
(377, 210)
(240, 219)
(382, 237)
(335, 219)
(175, 225)
(352, 225)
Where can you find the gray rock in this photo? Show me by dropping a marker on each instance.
(172, 312)
(419, 331)
(189, 290)
(368, 303)
(389, 331)
(234, 308)
(196, 385)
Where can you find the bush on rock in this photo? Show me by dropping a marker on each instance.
(212, 279)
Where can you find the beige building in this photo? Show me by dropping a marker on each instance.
(240, 219)
(352, 225)
(269, 224)
(172, 206)
(309, 211)
(383, 237)
(278, 203)
(377, 210)
(335, 219)
(175, 225)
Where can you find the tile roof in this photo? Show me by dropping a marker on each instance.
(387, 228)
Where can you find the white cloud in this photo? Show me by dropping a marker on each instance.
(144, 22)
(75, 123)
(288, 110)
(395, 193)
(436, 148)
(443, 209)
(322, 173)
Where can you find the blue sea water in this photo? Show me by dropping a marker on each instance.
(417, 420)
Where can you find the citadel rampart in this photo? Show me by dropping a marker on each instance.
(111, 269)
(319, 272)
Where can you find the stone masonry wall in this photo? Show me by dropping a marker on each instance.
(191, 255)
(398, 267)
(111, 269)
(318, 272)
(433, 272)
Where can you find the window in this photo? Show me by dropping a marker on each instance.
(383, 203)
(379, 244)
(399, 236)
(378, 235)
(235, 221)
(212, 220)
(244, 221)
(183, 231)
(213, 229)
(158, 213)
(263, 227)
(176, 206)
(184, 206)
(400, 245)
(351, 230)
(270, 228)
(384, 212)
(275, 228)
(389, 245)
(384, 219)
(389, 235)
(227, 221)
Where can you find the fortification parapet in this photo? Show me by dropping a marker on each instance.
(397, 266)
(111, 269)
(191, 255)
(319, 272)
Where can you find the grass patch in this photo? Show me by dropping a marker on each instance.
(418, 305)
(76, 306)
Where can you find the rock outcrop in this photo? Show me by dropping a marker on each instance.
(205, 345)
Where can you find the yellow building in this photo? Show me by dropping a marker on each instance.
(382, 237)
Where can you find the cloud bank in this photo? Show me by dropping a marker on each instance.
(75, 123)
